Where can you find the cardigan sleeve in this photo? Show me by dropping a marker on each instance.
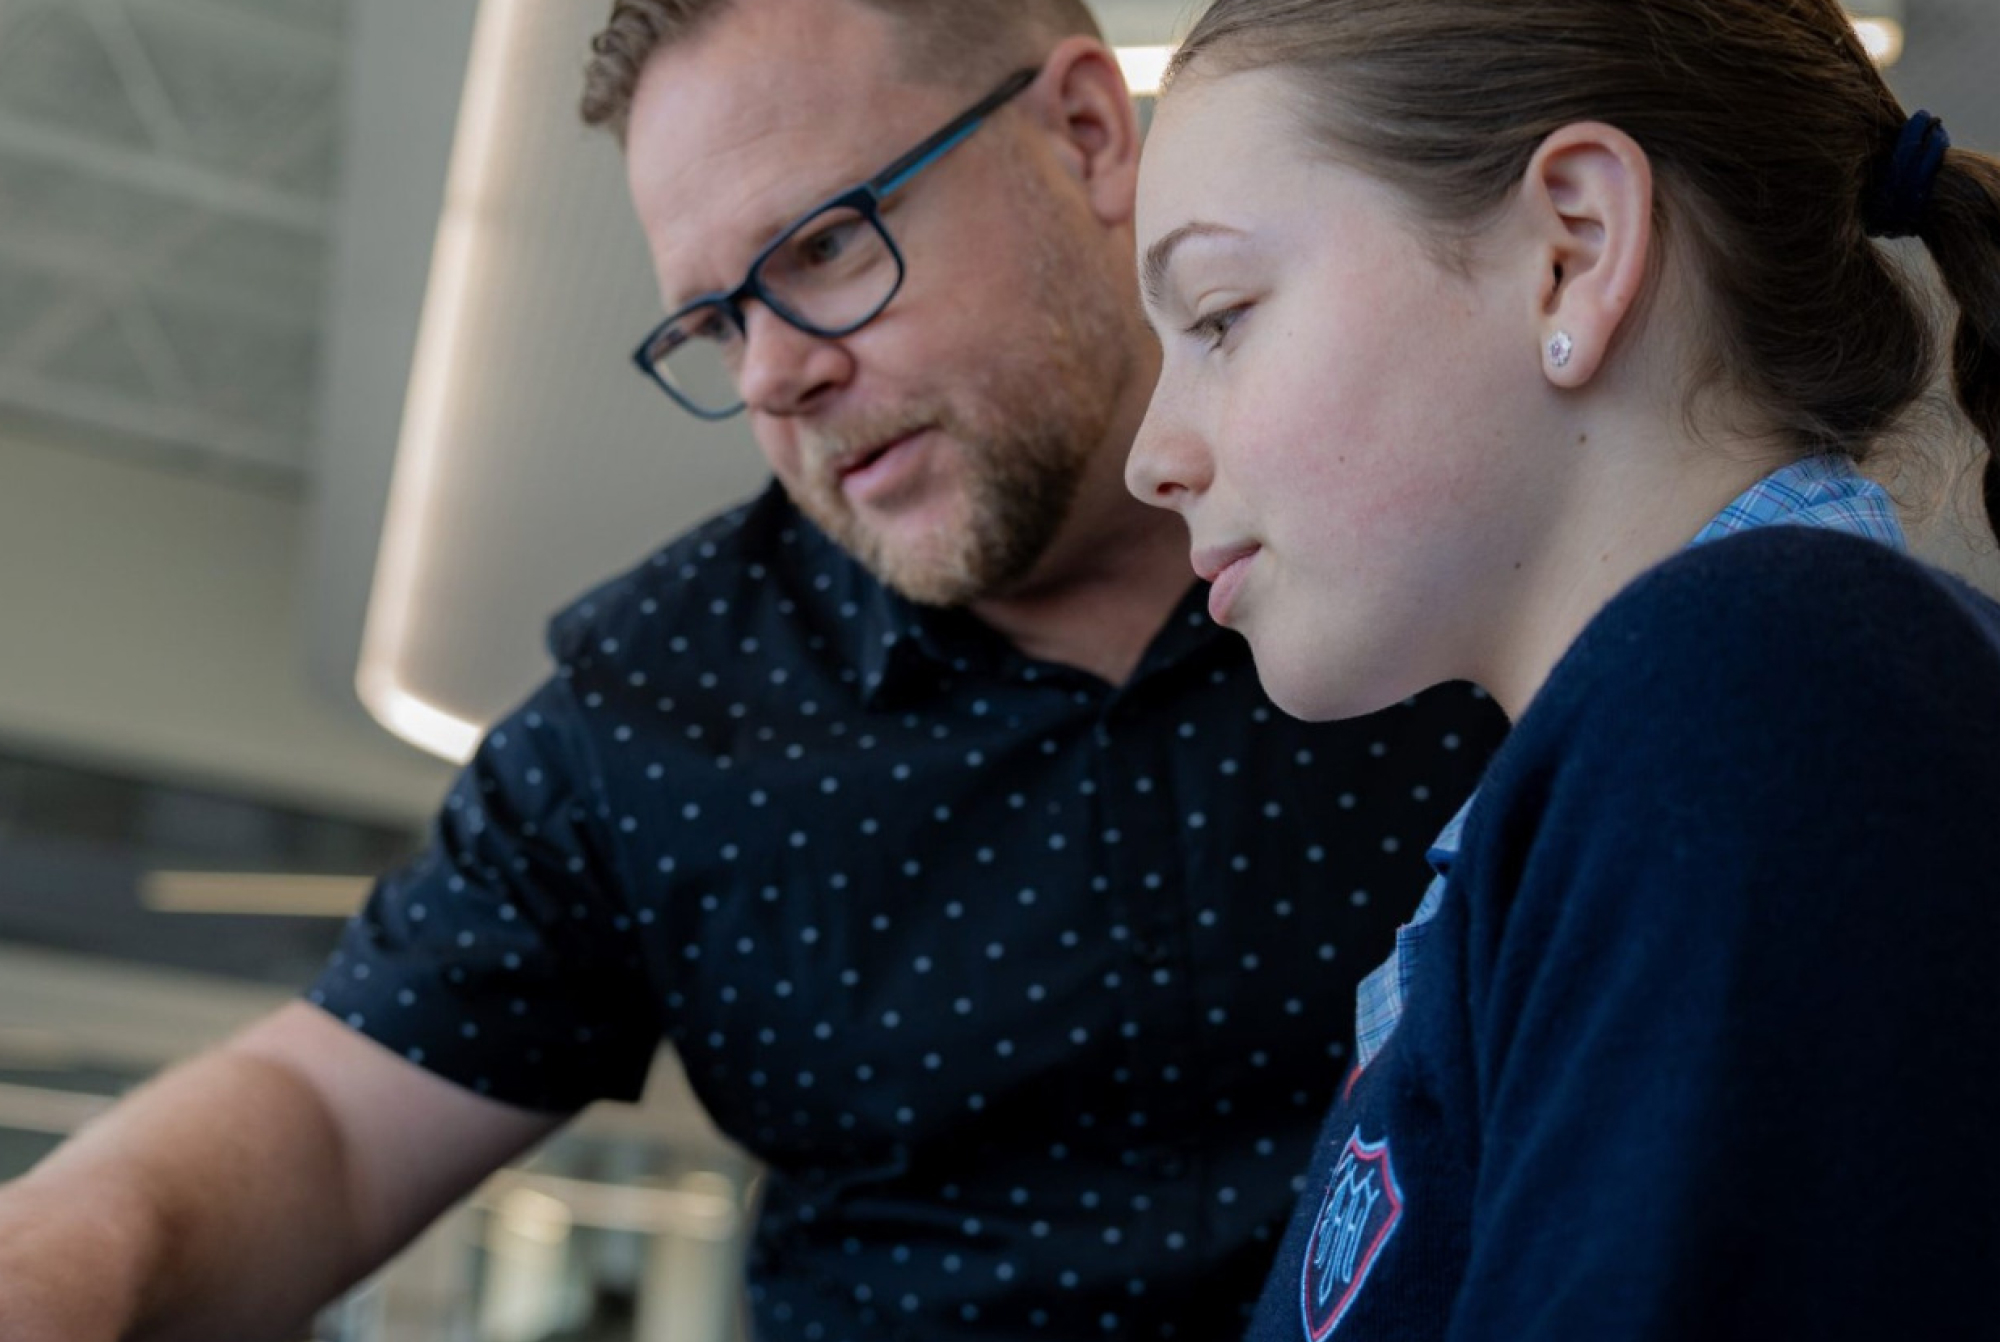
(1733, 963)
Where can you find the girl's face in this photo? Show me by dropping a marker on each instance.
(1340, 419)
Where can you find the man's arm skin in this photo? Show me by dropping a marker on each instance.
(235, 1195)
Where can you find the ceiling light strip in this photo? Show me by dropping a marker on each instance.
(1878, 22)
(456, 258)
(1144, 67)
(1882, 38)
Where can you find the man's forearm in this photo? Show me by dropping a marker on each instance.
(213, 1203)
(71, 1259)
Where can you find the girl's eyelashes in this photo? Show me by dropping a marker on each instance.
(1210, 328)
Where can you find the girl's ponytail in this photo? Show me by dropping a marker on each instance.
(1961, 227)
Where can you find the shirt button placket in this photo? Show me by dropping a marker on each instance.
(1144, 860)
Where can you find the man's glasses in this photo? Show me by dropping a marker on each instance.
(829, 274)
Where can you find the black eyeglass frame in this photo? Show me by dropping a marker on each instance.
(866, 201)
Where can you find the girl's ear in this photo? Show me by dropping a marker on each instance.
(1588, 194)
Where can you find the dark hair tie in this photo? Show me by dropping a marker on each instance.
(1901, 194)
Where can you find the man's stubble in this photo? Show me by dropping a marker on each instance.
(1026, 428)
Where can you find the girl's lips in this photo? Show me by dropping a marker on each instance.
(1226, 571)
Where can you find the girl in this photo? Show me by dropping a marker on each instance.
(1535, 344)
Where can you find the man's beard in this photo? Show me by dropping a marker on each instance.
(1027, 431)
(1017, 482)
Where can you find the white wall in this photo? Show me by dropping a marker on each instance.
(148, 621)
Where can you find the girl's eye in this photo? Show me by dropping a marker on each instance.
(1212, 327)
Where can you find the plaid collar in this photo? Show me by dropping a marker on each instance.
(1826, 492)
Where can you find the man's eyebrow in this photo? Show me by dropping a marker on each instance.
(1153, 271)
(770, 232)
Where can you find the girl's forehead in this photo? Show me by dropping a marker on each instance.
(1253, 114)
(1222, 143)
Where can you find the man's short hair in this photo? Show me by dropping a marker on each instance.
(951, 42)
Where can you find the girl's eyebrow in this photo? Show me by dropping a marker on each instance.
(1159, 256)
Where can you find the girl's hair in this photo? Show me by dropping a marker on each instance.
(1768, 127)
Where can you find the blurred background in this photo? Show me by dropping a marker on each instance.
(314, 403)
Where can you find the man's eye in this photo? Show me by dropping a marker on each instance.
(699, 326)
(1210, 328)
(827, 245)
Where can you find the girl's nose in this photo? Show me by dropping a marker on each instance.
(1170, 463)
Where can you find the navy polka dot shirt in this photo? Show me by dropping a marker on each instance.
(1029, 989)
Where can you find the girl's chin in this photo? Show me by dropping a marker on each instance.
(1310, 695)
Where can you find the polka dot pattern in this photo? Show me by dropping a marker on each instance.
(1030, 990)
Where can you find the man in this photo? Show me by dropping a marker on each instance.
(917, 802)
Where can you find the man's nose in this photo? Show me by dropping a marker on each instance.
(1170, 463)
(786, 370)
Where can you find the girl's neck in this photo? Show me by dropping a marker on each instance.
(1640, 490)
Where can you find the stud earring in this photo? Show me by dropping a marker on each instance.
(1560, 349)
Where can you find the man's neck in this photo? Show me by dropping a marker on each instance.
(1099, 606)
(1117, 569)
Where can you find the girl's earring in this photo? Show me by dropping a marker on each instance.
(1561, 348)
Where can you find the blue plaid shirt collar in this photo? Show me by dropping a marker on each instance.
(1823, 492)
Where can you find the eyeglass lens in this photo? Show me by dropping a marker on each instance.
(830, 274)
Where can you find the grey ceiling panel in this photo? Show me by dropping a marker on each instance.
(103, 357)
(167, 176)
(245, 372)
(54, 70)
(25, 294)
(255, 266)
(312, 163)
(326, 18)
(243, 108)
(42, 199)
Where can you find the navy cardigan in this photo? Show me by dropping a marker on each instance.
(1703, 1041)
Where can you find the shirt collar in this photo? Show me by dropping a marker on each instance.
(905, 647)
(902, 649)
(899, 653)
(1444, 849)
(1825, 492)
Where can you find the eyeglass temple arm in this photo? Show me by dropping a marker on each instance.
(947, 139)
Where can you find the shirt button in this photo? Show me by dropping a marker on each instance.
(1149, 952)
(1170, 1165)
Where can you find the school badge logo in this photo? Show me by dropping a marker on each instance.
(1360, 1211)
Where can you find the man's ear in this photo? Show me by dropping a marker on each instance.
(1588, 197)
(1084, 104)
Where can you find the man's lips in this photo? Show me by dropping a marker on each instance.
(860, 459)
